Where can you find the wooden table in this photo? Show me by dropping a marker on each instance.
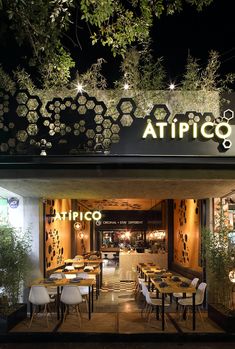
(64, 282)
(98, 261)
(148, 271)
(96, 272)
(174, 287)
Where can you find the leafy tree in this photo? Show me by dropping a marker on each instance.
(119, 24)
(41, 25)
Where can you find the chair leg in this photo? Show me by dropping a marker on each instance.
(33, 315)
(143, 310)
(46, 313)
(79, 314)
(200, 314)
(65, 312)
(86, 301)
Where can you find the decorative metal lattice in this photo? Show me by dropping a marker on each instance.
(77, 125)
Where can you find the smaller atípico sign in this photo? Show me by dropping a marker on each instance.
(78, 215)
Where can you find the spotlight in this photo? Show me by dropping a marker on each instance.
(79, 87)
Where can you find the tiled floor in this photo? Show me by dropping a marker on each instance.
(118, 310)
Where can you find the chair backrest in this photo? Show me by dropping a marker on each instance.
(194, 282)
(200, 294)
(71, 295)
(38, 295)
(147, 296)
(57, 276)
(78, 258)
(144, 288)
(82, 275)
(69, 267)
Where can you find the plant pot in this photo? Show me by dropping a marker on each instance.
(8, 321)
(222, 316)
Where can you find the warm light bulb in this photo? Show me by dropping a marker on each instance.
(232, 276)
(172, 86)
(77, 225)
(126, 86)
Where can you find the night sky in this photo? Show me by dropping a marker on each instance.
(173, 37)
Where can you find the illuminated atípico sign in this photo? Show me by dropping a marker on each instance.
(206, 130)
(74, 215)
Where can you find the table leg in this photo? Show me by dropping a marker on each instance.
(58, 302)
(92, 298)
(31, 309)
(89, 303)
(163, 312)
(185, 308)
(157, 308)
(97, 286)
(194, 312)
(101, 274)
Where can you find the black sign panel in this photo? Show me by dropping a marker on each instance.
(130, 220)
(191, 133)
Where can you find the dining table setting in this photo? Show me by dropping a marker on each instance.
(59, 284)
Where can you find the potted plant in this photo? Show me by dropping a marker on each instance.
(218, 254)
(14, 268)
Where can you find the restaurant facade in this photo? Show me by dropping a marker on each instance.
(125, 181)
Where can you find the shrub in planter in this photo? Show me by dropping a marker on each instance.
(15, 247)
(219, 260)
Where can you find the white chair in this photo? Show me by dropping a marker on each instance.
(152, 303)
(57, 276)
(193, 283)
(78, 261)
(69, 268)
(84, 290)
(110, 258)
(39, 296)
(71, 296)
(199, 299)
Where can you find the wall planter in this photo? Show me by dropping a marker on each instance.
(11, 319)
(222, 316)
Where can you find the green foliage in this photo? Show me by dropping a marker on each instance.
(56, 71)
(207, 79)
(141, 72)
(119, 24)
(23, 79)
(14, 261)
(192, 77)
(218, 258)
(6, 83)
(93, 78)
(40, 25)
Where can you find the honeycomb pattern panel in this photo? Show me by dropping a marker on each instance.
(33, 125)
